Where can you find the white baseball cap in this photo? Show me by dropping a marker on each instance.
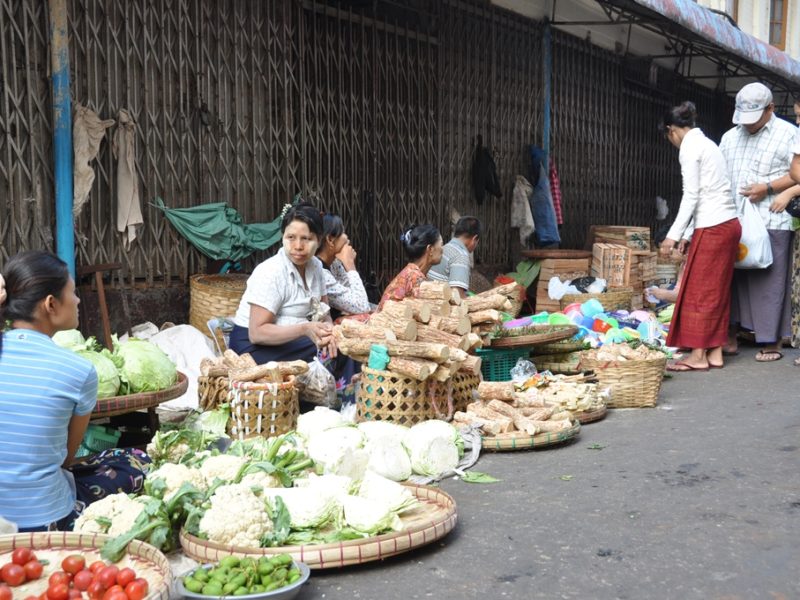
(751, 101)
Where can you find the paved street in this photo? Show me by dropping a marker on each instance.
(699, 498)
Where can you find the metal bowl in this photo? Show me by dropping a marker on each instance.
(285, 593)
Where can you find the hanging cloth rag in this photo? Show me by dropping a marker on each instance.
(521, 211)
(544, 215)
(217, 230)
(484, 173)
(129, 210)
(555, 192)
(88, 130)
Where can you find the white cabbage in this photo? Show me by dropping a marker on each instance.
(308, 509)
(340, 451)
(398, 497)
(435, 447)
(318, 420)
(337, 485)
(370, 516)
(375, 430)
(389, 458)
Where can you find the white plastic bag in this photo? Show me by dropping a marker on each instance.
(755, 250)
(318, 385)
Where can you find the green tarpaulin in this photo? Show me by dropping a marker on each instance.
(218, 232)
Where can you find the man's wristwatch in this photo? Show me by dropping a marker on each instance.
(770, 191)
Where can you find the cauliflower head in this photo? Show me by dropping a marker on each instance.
(175, 475)
(223, 466)
(121, 510)
(237, 517)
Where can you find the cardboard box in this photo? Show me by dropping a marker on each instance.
(566, 269)
(612, 262)
(635, 238)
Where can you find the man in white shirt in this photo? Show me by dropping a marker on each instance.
(758, 153)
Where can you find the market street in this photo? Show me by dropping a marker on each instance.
(698, 498)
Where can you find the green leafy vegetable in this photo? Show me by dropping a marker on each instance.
(146, 367)
(478, 477)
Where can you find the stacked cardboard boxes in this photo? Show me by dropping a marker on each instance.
(565, 269)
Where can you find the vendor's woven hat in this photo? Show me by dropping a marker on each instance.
(751, 101)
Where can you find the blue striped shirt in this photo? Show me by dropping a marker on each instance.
(41, 387)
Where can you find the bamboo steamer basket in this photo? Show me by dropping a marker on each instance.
(213, 296)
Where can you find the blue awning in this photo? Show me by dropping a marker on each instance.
(715, 29)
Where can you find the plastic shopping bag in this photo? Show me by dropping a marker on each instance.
(318, 385)
(755, 250)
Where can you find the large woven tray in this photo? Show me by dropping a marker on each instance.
(146, 560)
(434, 519)
(549, 333)
(520, 440)
(120, 405)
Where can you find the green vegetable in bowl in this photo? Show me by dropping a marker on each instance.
(240, 577)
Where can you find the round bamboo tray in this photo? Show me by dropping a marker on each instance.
(617, 299)
(540, 334)
(560, 347)
(213, 296)
(544, 253)
(564, 364)
(591, 416)
(519, 440)
(432, 520)
(632, 384)
(121, 405)
(55, 546)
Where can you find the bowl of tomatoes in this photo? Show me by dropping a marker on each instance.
(68, 566)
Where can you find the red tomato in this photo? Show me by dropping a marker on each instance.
(125, 576)
(13, 574)
(118, 596)
(107, 576)
(114, 589)
(59, 577)
(137, 589)
(82, 580)
(5, 592)
(60, 591)
(73, 563)
(21, 555)
(33, 570)
(96, 590)
(97, 565)
(75, 594)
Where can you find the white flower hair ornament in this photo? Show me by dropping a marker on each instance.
(286, 209)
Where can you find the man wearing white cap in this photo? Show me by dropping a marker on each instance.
(758, 152)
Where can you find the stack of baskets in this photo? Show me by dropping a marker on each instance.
(631, 383)
(562, 357)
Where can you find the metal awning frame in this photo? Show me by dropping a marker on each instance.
(684, 45)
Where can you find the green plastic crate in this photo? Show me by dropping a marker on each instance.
(497, 363)
(97, 439)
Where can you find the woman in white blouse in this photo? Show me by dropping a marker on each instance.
(707, 216)
(343, 285)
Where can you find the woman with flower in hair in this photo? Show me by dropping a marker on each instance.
(423, 247)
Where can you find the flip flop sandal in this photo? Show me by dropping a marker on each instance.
(762, 354)
(713, 366)
(683, 367)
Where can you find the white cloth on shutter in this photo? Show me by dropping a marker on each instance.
(521, 215)
(129, 210)
(88, 130)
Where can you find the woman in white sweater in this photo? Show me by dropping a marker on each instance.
(708, 226)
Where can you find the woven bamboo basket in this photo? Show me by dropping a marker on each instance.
(591, 416)
(453, 395)
(631, 384)
(613, 299)
(519, 440)
(434, 518)
(55, 546)
(122, 405)
(560, 347)
(263, 409)
(213, 296)
(532, 335)
(387, 396)
(564, 364)
(212, 391)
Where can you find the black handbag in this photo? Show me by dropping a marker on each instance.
(793, 208)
